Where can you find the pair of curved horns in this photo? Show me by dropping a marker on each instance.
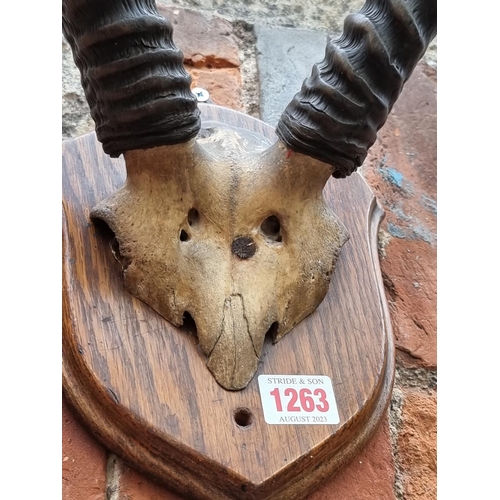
(139, 92)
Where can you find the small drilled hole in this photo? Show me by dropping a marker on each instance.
(243, 417)
(193, 217)
(184, 236)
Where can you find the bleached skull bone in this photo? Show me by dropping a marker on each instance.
(202, 231)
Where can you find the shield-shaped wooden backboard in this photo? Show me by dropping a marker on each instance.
(141, 384)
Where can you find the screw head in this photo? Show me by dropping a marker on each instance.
(243, 247)
(201, 94)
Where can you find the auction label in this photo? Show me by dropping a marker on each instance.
(298, 399)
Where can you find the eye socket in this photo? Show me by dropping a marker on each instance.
(271, 228)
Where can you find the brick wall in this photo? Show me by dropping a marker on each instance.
(400, 460)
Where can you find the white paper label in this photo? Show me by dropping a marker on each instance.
(298, 399)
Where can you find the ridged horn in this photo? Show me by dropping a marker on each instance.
(346, 100)
(132, 74)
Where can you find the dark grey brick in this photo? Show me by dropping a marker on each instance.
(285, 57)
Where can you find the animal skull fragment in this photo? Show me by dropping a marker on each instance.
(238, 237)
(202, 231)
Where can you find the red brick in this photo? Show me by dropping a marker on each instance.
(135, 486)
(223, 85)
(210, 53)
(413, 308)
(417, 443)
(83, 461)
(205, 41)
(401, 169)
(369, 476)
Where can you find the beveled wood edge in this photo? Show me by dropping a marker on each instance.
(178, 466)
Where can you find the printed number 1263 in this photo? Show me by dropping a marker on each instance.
(305, 399)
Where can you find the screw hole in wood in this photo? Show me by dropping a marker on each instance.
(243, 417)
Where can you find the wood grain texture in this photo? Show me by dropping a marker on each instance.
(142, 387)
